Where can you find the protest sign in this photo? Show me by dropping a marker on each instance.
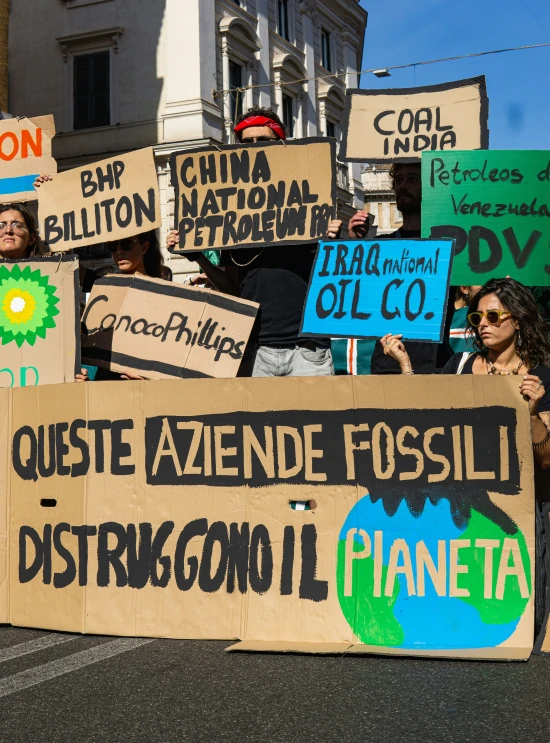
(366, 289)
(39, 323)
(542, 643)
(163, 330)
(107, 200)
(25, 153)
(269, 193)
(496, 205)
(170, 512)
(398, 124)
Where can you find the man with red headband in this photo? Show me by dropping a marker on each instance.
(276, 278)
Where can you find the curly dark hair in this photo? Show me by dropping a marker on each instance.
(259, 111)
(532, 343)
(36, 246)
(396, 167)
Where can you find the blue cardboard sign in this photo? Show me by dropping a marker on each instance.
(367, 288)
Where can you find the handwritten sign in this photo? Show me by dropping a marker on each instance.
(496, 205)
(370, 288)
(107, 200)
(162, 330)
(262, 194)
(25, 153)
(399, 124)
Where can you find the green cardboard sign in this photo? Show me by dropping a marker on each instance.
(496, 204)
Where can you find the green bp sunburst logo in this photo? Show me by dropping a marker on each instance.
(27, 305)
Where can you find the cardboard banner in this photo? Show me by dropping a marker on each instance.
(542, 644)
(25, 153)
(39, 321)
(398, 124)
(107, 200)
(163, 330)
(260, 194)
(365, 289)
(496, 205)
(168, 512)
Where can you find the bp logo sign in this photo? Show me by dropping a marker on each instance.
(431, 579)
(27, 305)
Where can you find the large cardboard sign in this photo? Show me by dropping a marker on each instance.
(163, 330)
(496, 205)
(261, 194)
(39, 323)
(365, 289)
(167, 512)
(25, 153)
(398, 124)
(542, 644)
(107, 200)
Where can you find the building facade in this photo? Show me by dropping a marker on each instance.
(380, 199)
(4, 19)
(124, 74)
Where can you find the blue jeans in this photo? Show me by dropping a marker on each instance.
(305, 359)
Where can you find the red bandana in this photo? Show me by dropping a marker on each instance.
(259, 121)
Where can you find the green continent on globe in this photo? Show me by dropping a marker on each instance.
(491, 610)
(371, 618)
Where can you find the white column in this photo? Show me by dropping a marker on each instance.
(278, 92)
(190, 111)
(350, 42)
(250, 81)
(226, 85)
(308, 12)
(300, 98)
(264, 58)
(323, 117)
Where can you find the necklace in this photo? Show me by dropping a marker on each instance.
(492, 369)
(242, 265)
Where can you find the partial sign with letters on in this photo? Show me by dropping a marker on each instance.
(264, 194)
(365, 289)
(174, 514)
(39, 322)
(25, 153)
(397, 125)
(496, 205)
(108, 200)
(163, 330)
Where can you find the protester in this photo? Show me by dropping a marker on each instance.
(19, 236)
(275, 277)
(459, 338)
(406, 179)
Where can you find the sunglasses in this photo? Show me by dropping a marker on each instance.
(125, 245)
(252, 140)
(494, 317)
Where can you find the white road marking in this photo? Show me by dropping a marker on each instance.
(48, 671)
(33, 646)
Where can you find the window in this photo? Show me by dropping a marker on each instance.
(288, 115)
(331, 129)
(92, 90)
(326, 60)
(235, 81)
(237, 2)
(282, 19)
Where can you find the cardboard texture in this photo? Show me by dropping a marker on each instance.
(25, 153)
(261, 194)
(365, 289)
(173, 518)
(542, 644)
(39, 326)
(496, 205)
(163, 330)
(103, 201)
(398, 124)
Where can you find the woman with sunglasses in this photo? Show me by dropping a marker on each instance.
(509, 337)
(19, 237)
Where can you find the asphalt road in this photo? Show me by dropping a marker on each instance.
(56, 687)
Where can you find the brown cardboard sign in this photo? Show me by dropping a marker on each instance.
(178, 512)
(261, 194)
(163, 330)
(25, 153)
(107, 200)
(398, 124)
(542, 644)
(39, 324)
